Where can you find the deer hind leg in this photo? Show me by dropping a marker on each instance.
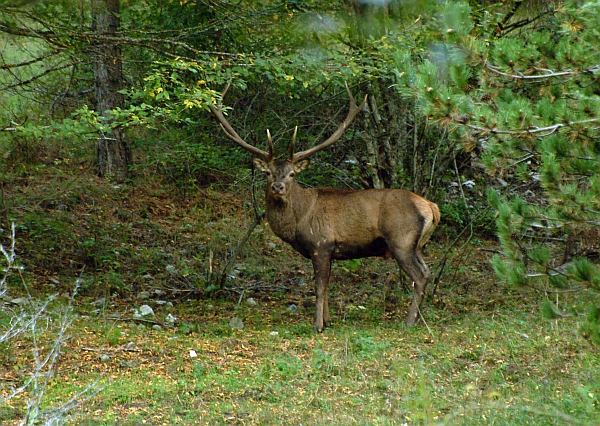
(412, 263)
(322, 266)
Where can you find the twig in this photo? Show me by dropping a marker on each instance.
(550, 129)
(548, 73)
(258, 218)
(142, 320)
(425, 322)
(124, 348)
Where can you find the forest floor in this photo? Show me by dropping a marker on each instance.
(242, 354)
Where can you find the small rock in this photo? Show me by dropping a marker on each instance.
(143, 295)
(157, 327)
(170, 319)
(272, 246)
(158, 292)
(273, 333)
(129, 346)
(171, 269)
(292, 309)
(19, 301)
(143, 311)
(105, 357)
(161, 302)
(524, 336)
(250, 302)
(236, 323)
(193, 353)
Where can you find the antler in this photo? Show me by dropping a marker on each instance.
(232, 134)
(293, 144)
(352, 113)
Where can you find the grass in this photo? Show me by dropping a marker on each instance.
(498, 367)
(484, 356)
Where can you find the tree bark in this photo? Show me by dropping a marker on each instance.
(114, 154)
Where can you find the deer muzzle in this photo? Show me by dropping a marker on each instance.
(278, 188)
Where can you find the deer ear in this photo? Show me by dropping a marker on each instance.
(260, 164)
(301, 165)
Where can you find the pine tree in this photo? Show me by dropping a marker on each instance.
(528, 100)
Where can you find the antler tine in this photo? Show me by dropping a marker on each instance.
(232, 134)
(352, 113)
(352, 101)
(293, 144)
(270, 140)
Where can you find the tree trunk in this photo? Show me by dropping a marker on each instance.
(114, 155)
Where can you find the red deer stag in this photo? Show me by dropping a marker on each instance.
(324, 224)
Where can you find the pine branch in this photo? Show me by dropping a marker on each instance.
(8, 28)
(520, 24)
(147, 42)
(509, 15)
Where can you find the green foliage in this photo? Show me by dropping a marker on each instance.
(549, 310)
(528, 98)
(590, 329)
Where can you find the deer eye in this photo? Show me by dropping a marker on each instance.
(292, 174)
(267, 172)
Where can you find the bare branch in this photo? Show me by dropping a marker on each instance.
(36, 77)
(31, 61)
(232, 134)
(352, 113)
(535, 130)
(547, 73)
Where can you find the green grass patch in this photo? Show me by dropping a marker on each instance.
(505, 368)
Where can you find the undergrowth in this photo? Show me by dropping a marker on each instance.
(482, 355)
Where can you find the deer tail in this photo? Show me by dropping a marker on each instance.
(436, 213)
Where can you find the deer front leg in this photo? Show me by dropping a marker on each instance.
(322, 267)
(414, 310)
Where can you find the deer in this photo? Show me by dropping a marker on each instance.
(326, 224)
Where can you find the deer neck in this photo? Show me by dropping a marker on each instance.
(285, 214)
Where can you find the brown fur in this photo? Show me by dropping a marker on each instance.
(324, 224)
